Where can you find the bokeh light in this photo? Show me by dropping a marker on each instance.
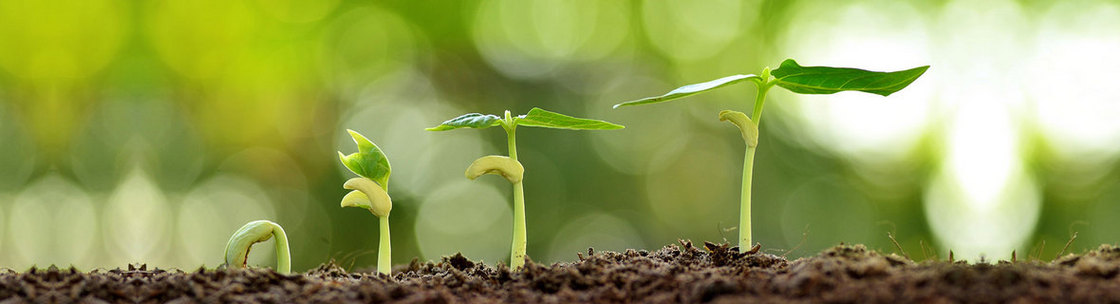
(49, 223)
(137, 219)
(599, 231)
(462, 216)
(535, 38)
(697, 189)
(211, 212)
(691, 31)
(625, 150)
(17, 159)
(881, 36)
(1074, 49)
(362, 46)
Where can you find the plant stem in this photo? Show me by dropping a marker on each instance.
(748, 170)
(517, 249)
(283, 254)
(384, 250)
(745, 201)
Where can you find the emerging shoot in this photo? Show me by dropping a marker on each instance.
(509, 167)
(795, 78)
(370, 191)
(237, 248)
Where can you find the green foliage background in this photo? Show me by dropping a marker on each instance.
(147, 131)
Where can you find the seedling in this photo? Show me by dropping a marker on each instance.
(798, 79)
(237, 249)
(370, 191)
(508, 166)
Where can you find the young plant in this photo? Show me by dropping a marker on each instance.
(237, 248)
(370, 190)
(795, 78)
(509, 167)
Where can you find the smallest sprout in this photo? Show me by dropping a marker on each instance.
(237, 249)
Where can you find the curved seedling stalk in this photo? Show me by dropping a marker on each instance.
(798, 79)
(509, 167)
(237, 248)
(371, 191)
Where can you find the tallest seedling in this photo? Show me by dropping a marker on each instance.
(798, 79)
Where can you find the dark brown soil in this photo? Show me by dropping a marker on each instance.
(674, 274)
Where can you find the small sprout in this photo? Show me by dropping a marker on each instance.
(797, 79)
(509, 167)
(370, 191)
(237, 248)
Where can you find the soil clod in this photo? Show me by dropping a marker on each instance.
(714, 273)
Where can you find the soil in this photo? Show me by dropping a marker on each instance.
(673, 274)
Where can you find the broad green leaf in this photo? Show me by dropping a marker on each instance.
(538, 117)
(472, 120)
(692, 89)
(828, 80)
(368, 162)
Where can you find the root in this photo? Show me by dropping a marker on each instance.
(1070, 242)
(896, 245)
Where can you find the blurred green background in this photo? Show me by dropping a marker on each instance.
(148, 131)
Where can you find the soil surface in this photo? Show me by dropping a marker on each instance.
(674, 274)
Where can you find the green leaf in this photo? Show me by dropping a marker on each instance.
(692, 89)
(828, 80)
(472, 120)
(538, 117)
(368, 162)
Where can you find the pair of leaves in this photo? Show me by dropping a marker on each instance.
(805, 80)
(368, 162)
(536, 117)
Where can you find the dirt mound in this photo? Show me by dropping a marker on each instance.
(673, 274)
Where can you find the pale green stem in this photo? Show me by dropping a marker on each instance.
(748, 172)
(384, 250)
(745, 202)
(517, 248)
(283, 253)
